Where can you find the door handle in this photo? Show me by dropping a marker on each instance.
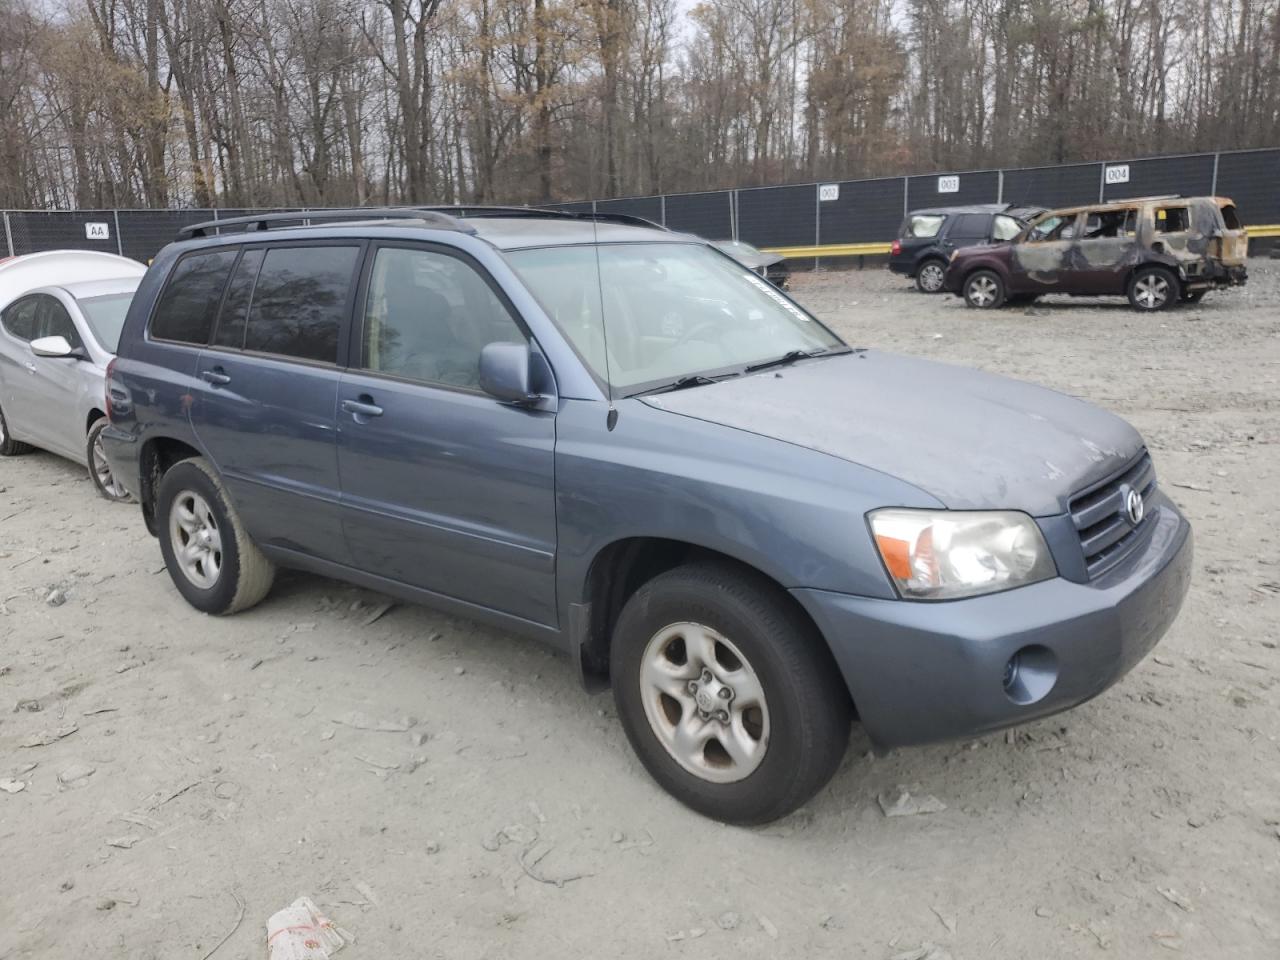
(31, 367)
(364, 407)
(215, 377)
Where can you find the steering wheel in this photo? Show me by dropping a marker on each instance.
(693, 333)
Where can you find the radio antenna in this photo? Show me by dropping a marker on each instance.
(611, 417)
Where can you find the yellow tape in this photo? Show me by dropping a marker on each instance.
(876, 249)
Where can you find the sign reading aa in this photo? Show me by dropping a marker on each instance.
(1118, 173)
(949, 184)
(97, 231)
(828, 191)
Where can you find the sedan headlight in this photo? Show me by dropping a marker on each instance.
(945, 554)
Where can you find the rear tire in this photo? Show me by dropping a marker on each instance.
(99, 469)
(768, 722)
(984, 290)
(930, 275)
(1152, 289)
(10, 447)
(210, 558)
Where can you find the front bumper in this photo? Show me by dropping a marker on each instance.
(924, 672)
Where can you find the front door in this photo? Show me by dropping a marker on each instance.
(1041, 259)
(267, 391)
(52, 388)
(443, 487)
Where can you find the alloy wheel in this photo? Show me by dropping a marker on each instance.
(982, 291)
(196, 539)
(1151, 291)
(704, 702)
(102, 470)
(931, 277)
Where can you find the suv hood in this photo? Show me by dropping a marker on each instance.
(973, 440)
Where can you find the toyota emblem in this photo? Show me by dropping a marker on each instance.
(1134, 507)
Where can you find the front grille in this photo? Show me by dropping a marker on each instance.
(1106, 532)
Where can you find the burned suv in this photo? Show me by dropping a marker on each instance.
(1157, 251)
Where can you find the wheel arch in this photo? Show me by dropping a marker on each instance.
(157, 455)
(618, 570)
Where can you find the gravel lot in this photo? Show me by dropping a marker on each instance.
(1144, 822)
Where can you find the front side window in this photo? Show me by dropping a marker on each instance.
(643, 315)
(106, 317)
(428, 316)
(19, 318)
(190, 301)
(52, 320)
(1053, 228)
(925, 225)
(299, 301)
(1005, 228)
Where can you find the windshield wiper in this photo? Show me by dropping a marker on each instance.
(788, 358)
(683, 383)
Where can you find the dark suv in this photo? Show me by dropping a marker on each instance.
(927, 238)
(618, 440)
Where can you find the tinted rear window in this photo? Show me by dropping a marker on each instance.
(190, 301)
(299, 301)
(230, 331)
(970, 226)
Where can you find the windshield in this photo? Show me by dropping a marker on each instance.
(671, 311)
(106, 318)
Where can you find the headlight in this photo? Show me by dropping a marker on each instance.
(944, 554)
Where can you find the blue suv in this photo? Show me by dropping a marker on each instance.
(613, 438)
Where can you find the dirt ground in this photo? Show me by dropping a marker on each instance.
(230, 773)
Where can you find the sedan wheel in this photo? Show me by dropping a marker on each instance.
(196, 539)
(100, 466)
(704, 702)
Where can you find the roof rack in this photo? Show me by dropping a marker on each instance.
(266, 221)
(548, 213)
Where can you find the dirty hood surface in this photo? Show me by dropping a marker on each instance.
(973, 440)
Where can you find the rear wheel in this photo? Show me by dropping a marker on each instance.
(727, 693)
(100, 467)
(1152, 288)
(210, 558)
(930, 275)
(984, 290)
(9, 447)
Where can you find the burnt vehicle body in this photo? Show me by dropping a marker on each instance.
(927, 238)
(1157, 251)
(772, 266)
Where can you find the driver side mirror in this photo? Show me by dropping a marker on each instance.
(56, 347)
(506, 373)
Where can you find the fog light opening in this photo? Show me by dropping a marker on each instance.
(1030, 674)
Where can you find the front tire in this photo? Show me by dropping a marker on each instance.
(930, 276)
(210, 558)
(727, 693)
(1152, 289)
(10, 447)
(984, 290)
(99, 467)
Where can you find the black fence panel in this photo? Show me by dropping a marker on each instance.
(1252, 180)
(648, 207)
(1188, 176)
(33, 231)
(144, 232)
(708, 215)
(867, 211)
(981, 186)
(778, 216)
(1068, 186)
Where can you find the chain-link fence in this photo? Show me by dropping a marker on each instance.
(819, 220)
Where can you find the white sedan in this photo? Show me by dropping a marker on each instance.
(61, 313)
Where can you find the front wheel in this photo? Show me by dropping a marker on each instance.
(984, 290)
(210, 558)
(1153, 288)
(727, 693)
(930, 275)
(99, 467)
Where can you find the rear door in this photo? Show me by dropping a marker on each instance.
(267, 391)
(17, 366)
(1108, 248)
(443, 487)
(968, 230)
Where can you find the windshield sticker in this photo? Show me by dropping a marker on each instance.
(778, 298)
